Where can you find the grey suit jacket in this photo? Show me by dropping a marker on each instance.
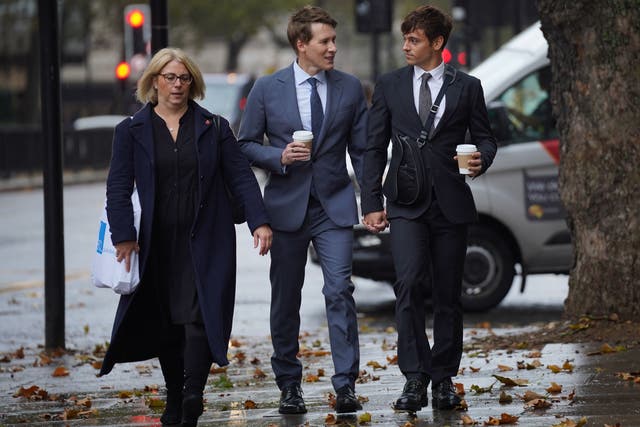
(272, 110)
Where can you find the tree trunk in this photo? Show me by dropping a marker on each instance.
(593, 47)
(235, 43)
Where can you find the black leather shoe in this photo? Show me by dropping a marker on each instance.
(172, 414)
(444, 395)
(413, 397)
(291, 401)
(346, 400)
(192, 408)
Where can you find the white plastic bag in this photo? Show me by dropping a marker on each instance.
(106, 271)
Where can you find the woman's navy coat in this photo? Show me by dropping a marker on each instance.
(137, 334)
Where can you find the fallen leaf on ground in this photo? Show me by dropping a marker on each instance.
(530, 395)
(538, 404)
(330, 419)
(259, 374)
(70, 414)
(505, 398)
(375, 365)
(459, 389)
(468, 421)
(155, 402)
(311, 378)
(235, 343)
(629, 376)
(504, 368)
(331, 400)
(250, 404)
(504, 419)
(125, 395)
(60, 371)
(554, 388)
(480, 390)
(364, 418)
(393, 360)
(511, 382)
(570, 423)
(320, 372)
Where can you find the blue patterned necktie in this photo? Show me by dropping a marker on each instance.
(317, 115)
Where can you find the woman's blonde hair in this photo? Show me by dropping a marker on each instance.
(147, 93)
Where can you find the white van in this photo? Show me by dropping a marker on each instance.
(522, 221)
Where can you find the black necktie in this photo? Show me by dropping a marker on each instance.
(424, 101)
(317, 115)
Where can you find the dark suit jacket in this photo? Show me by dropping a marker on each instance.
(393, 112)
(272, 110)
(135, 333)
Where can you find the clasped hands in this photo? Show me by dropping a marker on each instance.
(375, 221)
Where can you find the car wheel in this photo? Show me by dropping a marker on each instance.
(488, 270)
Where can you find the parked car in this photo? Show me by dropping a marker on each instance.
(226, 95)
(521, 218)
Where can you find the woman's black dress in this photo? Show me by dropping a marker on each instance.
(170, 264)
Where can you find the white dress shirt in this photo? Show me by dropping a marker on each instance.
(303, 92)
(435, 83)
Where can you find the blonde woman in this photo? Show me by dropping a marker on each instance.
(179, 160)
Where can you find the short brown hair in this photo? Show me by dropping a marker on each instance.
(147, 93)
(299, 27)
(429, 19)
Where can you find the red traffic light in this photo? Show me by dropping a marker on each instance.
(135, 18)
(123, 71)
(446, 56)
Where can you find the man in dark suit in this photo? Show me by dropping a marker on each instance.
(309, 196)
(428, 235)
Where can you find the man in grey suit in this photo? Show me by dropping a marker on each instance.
(309, 196)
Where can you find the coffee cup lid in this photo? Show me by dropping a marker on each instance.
(303, 134)
(466, 148)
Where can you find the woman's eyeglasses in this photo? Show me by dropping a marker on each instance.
(171, 78)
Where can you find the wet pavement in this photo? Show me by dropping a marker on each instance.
(55, 387)
(245, 394)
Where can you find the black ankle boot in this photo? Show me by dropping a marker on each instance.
(172, 414)
(192, 408)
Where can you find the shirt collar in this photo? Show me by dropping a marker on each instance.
(301, 75)
(436, 73)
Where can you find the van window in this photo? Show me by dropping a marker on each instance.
(523, 112)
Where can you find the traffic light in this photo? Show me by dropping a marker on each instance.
(123, 70)
(373, 16)
(137, 35)
(455, 52)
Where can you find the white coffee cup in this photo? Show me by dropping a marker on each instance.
(464, 152)
(304, 136)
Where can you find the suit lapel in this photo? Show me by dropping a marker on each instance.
(141, 128)
(405, 92)
(334, 96)
(452, 96)
(288, 94)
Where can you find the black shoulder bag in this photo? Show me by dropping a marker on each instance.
(407, 179)
(237, 208)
